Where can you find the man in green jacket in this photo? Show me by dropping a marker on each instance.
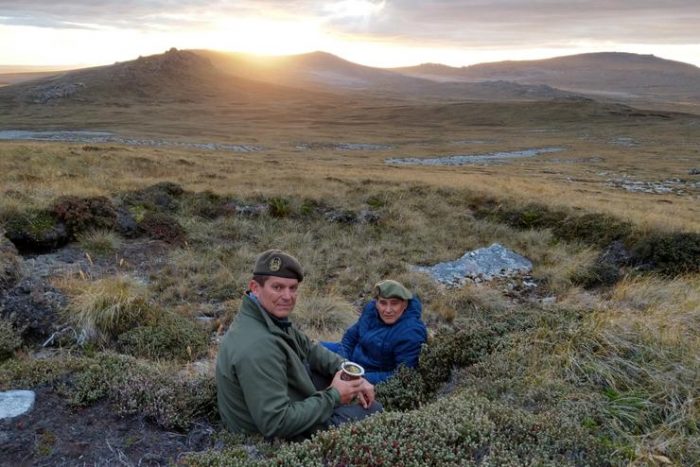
(268, 372)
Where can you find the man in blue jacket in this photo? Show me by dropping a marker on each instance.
(389, 333)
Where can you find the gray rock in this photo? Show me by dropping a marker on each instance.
(615, 254)
(368, 216)
(126, 224)
(483, 264)
(15, 403)
(246, 210)
(341, 216)
(46, 93)
(624, 141)
(694, 172)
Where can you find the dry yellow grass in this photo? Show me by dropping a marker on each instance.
(40, 172)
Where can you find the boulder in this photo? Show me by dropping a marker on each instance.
(483, 264)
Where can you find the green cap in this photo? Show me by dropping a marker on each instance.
(391, 289)
(279, 264)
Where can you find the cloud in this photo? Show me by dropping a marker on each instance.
(456, 23)
(511, 22)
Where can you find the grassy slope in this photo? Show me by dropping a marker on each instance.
(616, 369)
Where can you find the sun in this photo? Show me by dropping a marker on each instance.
(265, 36)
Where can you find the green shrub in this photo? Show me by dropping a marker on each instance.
(205, 204)
(405, 390)
(376, 202)
(10, 265)
(279, 207)
(309, 207)
(31, 372)
(461, 430)
(170, 399)
(671, 254)
(599, 274)
(409, 389)
(35, 230)
(161, 226)
(9, 339)
(592, 228)
(80, 214)
(161, 197)
(531, 216)
(172, 337)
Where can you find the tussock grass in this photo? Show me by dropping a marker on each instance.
(107, 307)
(100, 243)
(324, 316)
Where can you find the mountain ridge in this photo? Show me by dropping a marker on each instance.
(618, 74)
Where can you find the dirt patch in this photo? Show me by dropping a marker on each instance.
(57, 434)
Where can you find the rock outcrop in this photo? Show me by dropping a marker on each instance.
(482, 264)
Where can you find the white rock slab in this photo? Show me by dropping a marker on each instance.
(15, 403)
(484, 264)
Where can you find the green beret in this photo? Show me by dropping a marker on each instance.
(391, 289)
(279, 264)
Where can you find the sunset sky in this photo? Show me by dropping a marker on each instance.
(377, 33)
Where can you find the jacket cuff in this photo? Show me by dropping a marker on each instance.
(335, 395)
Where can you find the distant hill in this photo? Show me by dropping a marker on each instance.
(611, 74)
(203, 92)
(174, 76)
(200, 76)
(320, 70)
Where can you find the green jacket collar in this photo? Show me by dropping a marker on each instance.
(253, 309)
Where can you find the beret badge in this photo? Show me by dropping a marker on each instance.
(275, 264)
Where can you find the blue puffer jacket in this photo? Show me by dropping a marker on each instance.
(380, 348)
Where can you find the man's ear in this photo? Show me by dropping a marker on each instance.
(253, 286)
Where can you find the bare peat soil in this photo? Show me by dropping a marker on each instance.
(55, 433)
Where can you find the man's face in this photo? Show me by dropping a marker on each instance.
(278, 296)
(391, 309)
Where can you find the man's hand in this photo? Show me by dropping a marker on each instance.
(366, 393)
(348, 389)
